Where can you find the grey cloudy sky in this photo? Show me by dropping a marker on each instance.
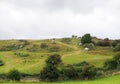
(38, 19)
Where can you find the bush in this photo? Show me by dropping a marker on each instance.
(1, 63)
(86, 39)
(88, 72)
(84, 63)
(117, 58)
(69, 72)
(14, 75)
(117, 48)
(54, 49)
(110, 65)
(115, 42)
(66, 40)
(50, 71)
(104, 42)
(90, 45)
(43, 45)
(53, 60)
(49, 74)
(22, 54)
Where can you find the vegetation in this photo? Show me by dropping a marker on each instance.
(14, 75)
(50, 71)
(30, 57)
(86, 39)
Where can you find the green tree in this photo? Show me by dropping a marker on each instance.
(50, 71)
(86, 39)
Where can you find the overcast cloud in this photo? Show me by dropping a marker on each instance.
(40, 19)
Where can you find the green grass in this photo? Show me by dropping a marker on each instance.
(32, 64)
(107, 80)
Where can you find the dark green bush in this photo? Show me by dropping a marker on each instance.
(110, 65)
(54, 49)
(1, 63)
(14, 75)
(84, 63)
(86, 39)
(43, 45)
(104, 43)
(117, 48)
(50, 71)
(69, 72)
(88, 72)
(49, 74)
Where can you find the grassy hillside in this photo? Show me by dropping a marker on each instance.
(32, 64)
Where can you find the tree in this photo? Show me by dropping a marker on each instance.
(86, 39)
(50, 72)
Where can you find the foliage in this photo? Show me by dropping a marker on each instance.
(69, 72)
(117, 48)
(115, 42)
(54, 49)
(90, 45)
(14, 75)
(113, 63)
(50, 72)
(88, 72)
(53, 60)
(1, 63)
(86, 39)
(66, 40)
(22, 54)
(105, 42)
(83, 63)
(110, 65)
(43, 45)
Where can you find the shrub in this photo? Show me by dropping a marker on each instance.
(43, 45)
(66, 40)
(53, 60)
(104, 42)
(90, 45)
(110, 64)
(88, 72)
(1, 63)
(117, 58)
(49, 74)
(86, 39)
(14, 75)
(54, 49)
(22, 54)
(117, 48)
(69, 72)
(115, 42)
(84, 63)
(50, 71)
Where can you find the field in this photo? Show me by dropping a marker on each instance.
(30, 59)
(108, 80)
(70, 53)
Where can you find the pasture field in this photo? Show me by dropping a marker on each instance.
(70, 53)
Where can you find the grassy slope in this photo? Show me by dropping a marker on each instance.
(35, 62)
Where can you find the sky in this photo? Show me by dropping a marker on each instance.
(42, 19)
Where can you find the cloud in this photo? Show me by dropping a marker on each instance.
(58, 18)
